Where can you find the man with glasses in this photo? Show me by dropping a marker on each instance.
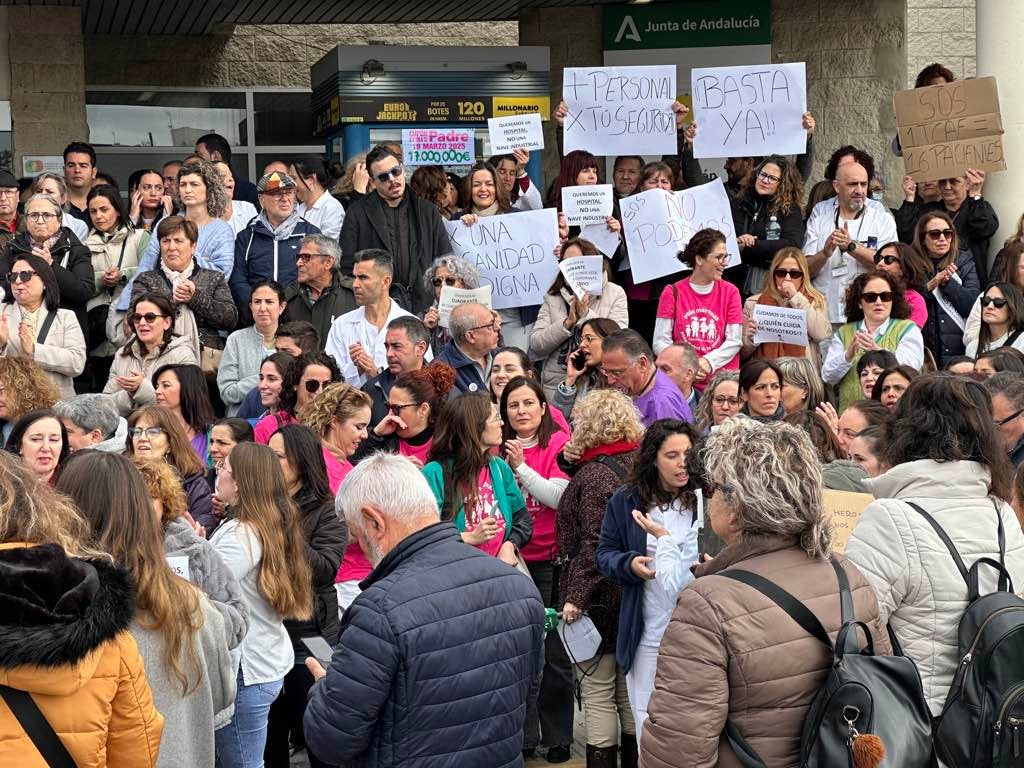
(406, 344)
(627, 362)
(268, 247)
(474, 329)
(393, 219)
(1007, 390)
(320, 294)
(8, 207)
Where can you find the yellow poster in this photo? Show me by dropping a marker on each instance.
(844, 508)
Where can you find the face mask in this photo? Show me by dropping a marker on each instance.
(877, 195)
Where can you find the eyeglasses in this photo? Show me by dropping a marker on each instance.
(721, 259)
(768, 177)
(616, 374)
(22, 276)
(1011, 417)
(385, 176)
(149, 317)
(491, 325)
(149, 432)
(721, 400)
(300, 256)
(935, 234)
(8, 193)
(589, 338)
(792, 274)
(495, 418)
(870, 297)
(997, 303)
(886, 259)
(40, 216)
(315, 385)
(396, 408)
(451, 281)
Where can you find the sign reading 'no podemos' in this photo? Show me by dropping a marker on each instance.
(620, 110)
(658, 224)
(749, 111)
(515, 254)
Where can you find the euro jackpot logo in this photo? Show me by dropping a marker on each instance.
(506, 106)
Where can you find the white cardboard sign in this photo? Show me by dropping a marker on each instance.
(515, 132)
(604, 239)
(452, 297)
(583, 274)
(784, 325)
(587, 204)
(179, 565)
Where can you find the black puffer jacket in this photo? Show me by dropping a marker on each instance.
(941, 333)
(750, 216)
(212, 303)
(435, 664)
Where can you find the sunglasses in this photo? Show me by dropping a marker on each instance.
(315, 385)
(450, 281)
(792, 274)
(22, 276)
(149, 317)
(386, 176)
(396, 408)
(870, 297)
(997, 303)
(886, 259)
(935, 234)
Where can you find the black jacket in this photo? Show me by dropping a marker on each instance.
(751, 217)
(976, 222)
(333, 302)
(941, 333)
(437, 659)
(365, 227)
(212, 303)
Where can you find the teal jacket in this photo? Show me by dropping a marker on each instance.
(518, 523)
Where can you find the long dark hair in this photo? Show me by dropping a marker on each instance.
(548, 427)
(645, 469)
(905, 371)
(1015, 307)
(947, 418)
(306, 455)
(167, 309)
(573, 164)
(500, 195)
(21, 426)
(194, 396)
(51, 291)
(112, 196)
(458, 447)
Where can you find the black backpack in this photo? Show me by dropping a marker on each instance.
(862, 693)
(982, 721)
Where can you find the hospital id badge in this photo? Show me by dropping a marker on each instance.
(840, 269)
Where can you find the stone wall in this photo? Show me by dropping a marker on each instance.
(943, 31)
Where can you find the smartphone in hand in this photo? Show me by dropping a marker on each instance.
(578, 360)
(319, 649)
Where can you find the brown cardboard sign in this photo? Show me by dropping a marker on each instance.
(844, 509)
(946, 129)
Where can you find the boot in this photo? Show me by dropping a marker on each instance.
(630, 753)
(601, 757)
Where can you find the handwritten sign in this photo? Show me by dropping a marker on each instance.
(784, 325)
(179, 565)
(583, 274)
(438, 146)
(452, 297)
(750, 110)
(844, 509)
(658, 224)
(587, 204)
(602, 238)
(515, 132)
(620, 110)
(514, 252)
(946, 129)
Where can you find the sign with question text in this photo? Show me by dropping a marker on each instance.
(782, 325)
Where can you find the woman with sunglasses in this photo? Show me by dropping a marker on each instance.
(952, 286)
(304, 380)
(703, 309)
(788, 284)
(34, 325)
(1002, 320)
(455, 272)
(1009, 270)
(904, 263)
(876, 318)
(768, 218)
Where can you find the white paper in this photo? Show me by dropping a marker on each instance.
(658, 224)
(515, 253)
(583, 274)
(587, 204)
(581, 639)
(620, 110)
(749, 111)
(784, 325)
(604, 239)
(515, 132)
(179, 565)
(452, 297)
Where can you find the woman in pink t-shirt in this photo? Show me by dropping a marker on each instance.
(703, 310)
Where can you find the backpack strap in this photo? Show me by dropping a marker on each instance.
(745, 754)
(796, 610)
(945, 540)
(614, 465)
(37, 727)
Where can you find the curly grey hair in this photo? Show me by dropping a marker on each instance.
(458, 266)
(216, 194)
(772, 474)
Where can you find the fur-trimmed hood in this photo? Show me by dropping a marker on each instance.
(56, 611)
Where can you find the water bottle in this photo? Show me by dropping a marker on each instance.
(774, 230)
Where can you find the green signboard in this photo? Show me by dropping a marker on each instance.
(698, 24)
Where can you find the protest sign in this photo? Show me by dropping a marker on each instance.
(604, 239)
(587, 204)
(843, 509)
(515, 254)
(515, 132)
(452, 297)
(620, 110)
(782, 325)
(658, 225)
(750, 110)
(179, 565)
(438, 146)
(583, 274)
(946, 129)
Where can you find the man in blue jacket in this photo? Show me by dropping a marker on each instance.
(439, 655)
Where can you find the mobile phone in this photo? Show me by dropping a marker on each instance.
(579, 360)
(319, 649)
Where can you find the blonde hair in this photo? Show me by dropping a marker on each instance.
(163, 484)
(812, 294)
(338, 402)
(604, 416)
(26, 387)
(344, 185)
(772, 473)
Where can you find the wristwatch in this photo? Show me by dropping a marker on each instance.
(851, 246)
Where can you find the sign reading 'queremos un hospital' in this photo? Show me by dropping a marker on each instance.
(687, 25)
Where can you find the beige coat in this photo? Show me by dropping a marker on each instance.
(731, 653)
(179, 351)
(61, 356)
(818, 326)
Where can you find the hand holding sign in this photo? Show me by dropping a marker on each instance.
(455, 297)
(515, 132)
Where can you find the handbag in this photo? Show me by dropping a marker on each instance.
(37, 727)
(96, 318)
